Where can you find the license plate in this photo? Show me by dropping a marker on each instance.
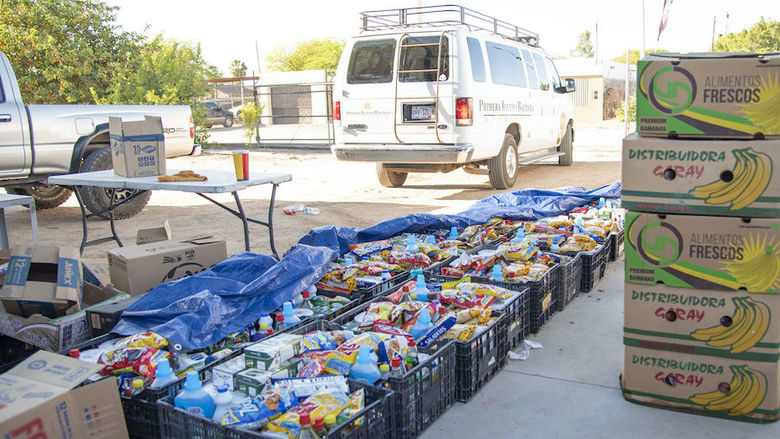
(421, 112)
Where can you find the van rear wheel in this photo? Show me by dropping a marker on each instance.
(390, 178)
(503, 168)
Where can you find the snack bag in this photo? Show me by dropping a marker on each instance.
(268, 405)
(317, 405)
(342, 359)
(142, 361)
(146, 339)
(460, 332)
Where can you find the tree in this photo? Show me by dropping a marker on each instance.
(60, 49)
(634, 55)
(584, 46)
(306, 55)
(237, 68)
(763, 36)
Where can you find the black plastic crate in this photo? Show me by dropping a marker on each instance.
(370, 422)
(594, 265)
(617, 245)
(517, 323)
(329, 316)
(424, 393)
(364, 294)
(569, 279)
(13, 352)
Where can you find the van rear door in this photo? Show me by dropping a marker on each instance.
(389, 91)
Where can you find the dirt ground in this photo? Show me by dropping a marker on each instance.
(347, 194)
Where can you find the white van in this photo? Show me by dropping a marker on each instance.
(433, 89)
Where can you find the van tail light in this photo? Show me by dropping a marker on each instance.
(337, 111)
(192, 129)
(464, 115)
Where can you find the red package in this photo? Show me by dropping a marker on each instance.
(452, 272)
(409, 286)
(392, 330)
(142, 361)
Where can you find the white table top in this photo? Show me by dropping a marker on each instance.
(218, 181)
(8, 200)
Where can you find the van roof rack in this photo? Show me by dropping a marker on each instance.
(445, 15)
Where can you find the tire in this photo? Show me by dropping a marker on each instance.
(228, 122)
(97, 198)
(390, 178)
(567, 148)
(46, 196)
(502, 169)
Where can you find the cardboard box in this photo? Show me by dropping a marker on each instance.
(708, 95)
(102, 318)
(42, 280)
(4, 255)
(272, 353)
(137, 147)
(154, 234)
(224, 373)
(41, 398)
(63, 332)
(703, 252)
(674, 379)
(732, 324)
(252, 381)
(701, 177)
(136, 269)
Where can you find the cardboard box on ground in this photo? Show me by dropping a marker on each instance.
(137, 269)
(41, 397)
(137, 147)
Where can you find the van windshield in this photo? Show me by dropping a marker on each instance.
(371, 62)
(420, 55)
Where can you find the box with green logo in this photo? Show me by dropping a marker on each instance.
(723, 387)
(734, 95)
(703, 252)
(273, 352)
(732, 324)
(701, 177)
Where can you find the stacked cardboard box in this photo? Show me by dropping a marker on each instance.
(702, 279)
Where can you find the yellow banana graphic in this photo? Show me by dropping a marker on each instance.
(757, 329)
(765, 113)
(737, 329)
(708, 333)
(751, 176)
(747, 391)
(761, 272)
(749, 325)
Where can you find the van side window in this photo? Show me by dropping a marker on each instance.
(477, 61)
(421, 55)
(541, 70)
(553, 72)
(533, 83)
(506, 66)
(371, 62)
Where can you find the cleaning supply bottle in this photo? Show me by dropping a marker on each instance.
(280, 325)
(222, 401)
(163, 376)
(261, 333)
(266, 318)
(306, 430)
(384, 370)
(193, 398)
(411, 244)
(396, 370)
(497, 274)
(519, 235)
(423, 324)
(306, 303)
(430, 240)
(414, 272)
(364, 369)
(319, 427)
(420, 291)
(453, 233)
(290, 318)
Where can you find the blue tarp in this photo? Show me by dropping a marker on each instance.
(200, 310)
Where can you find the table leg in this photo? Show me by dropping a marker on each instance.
(34, 222)
(242, 215)
(111, 218)
(271, 221)
(4, 243)
(83, 221)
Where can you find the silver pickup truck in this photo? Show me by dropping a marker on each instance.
(37, 141)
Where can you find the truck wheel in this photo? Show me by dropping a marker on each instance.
(390, 178)
(567, 148)
(46, 196)
(97, 198)
(502, 169)
(228, 122)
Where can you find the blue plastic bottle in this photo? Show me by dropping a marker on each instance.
(519, 236)
(415, 272)
(423, 324)
(420, 291)
(365, 369)
(497, 274)
(289, 315)
(431, 240)
(163, 376)
(411, 244)
(453, 233)
(194, 399)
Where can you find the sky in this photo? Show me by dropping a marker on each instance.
(228, 29)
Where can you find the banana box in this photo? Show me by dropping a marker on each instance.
(732, 324)
(703, 252)
(722, 387)
(709, 95)
(701, 177)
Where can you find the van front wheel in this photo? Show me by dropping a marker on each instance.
(503, 167)
(390, 178)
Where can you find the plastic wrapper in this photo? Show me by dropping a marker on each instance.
(147, 339)
(141, 361)
(409, 260)
(317, 341)
(317, 405)
(268, 405)
(306, 387)
(460, 332)
(342, 359)
(397, 345)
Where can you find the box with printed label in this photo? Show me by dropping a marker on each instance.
(703, 252)
(137, 147)
(252, 381)
(708, 95)
(41, 398)
(716, 386)
(137, 269)
(733, 324)
(701, 177)
(273, 352)
(223, 374)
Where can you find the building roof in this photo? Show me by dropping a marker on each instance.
(578, 66)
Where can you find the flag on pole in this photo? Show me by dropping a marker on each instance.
(664, 17)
